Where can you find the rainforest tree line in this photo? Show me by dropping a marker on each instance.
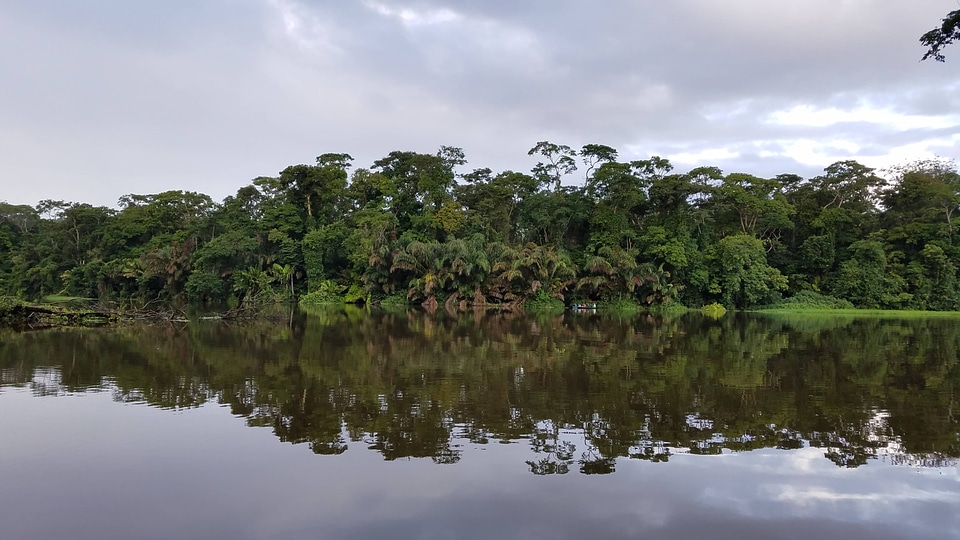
(583, 225)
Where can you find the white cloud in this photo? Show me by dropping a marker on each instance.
(813, 116)
(215, 94)
(414, 18)
(306, 30)
(709, 155)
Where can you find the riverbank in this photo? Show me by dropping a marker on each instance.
(23, 316)
(848, 312)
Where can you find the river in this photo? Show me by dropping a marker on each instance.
(358, 424)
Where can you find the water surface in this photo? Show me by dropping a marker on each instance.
(348, 424)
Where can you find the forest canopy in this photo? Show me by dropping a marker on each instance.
(582, 226)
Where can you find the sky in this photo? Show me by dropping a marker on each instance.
(108, 97)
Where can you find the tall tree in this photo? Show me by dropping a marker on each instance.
(593, 156)
(756, 206)
(560, 162)
(744, 278)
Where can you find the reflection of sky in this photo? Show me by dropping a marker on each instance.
(85, 467)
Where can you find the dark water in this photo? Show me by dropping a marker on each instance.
(484, 426)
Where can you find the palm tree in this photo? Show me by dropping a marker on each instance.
(377, 274)
(284, 274)
(611, 271)
(424, 261)
(502, 273)
(657, 285)
(170, 264)
(252, 283)
(536, 267)
(465, 267)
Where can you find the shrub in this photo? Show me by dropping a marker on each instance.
(354, 294)
(714, 310)
(395, 300)
(622, 306)
(542, 301)
(327, 293)
(813, 300)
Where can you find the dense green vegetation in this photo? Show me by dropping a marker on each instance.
(581, 227)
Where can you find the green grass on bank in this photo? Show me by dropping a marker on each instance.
(853, 312)
(814, 304)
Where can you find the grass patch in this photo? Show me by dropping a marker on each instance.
(20, 315)
(329, 293)
(543, 302)
(813, 304)
(811, 300)
(396, 300)
(885, 313)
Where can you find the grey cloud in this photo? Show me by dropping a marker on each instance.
(112, 97)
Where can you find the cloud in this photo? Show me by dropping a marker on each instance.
(117, 97)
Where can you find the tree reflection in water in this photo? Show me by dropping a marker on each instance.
(580, 390)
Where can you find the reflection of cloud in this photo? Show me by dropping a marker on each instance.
(802, 484)
(809, 496)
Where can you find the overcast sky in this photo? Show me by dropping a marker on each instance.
(107, 97)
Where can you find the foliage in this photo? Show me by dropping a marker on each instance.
(204, 287)
(394, 301)
(744, 278)
(938, 38)
(418, 225)
(328, 292)
(714, 310)
(542, 301)
(812, 300)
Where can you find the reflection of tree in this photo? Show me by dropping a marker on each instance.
(548, 465)
(312, 420)
(410, 385)
(558, 454)
(593, 462)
